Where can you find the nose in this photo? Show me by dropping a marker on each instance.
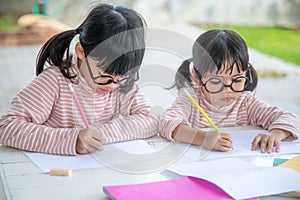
(112, 86)
(227, 85)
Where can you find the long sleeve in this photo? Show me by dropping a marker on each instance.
(271, 117)
(134, 118)
(246, 110)
(179, 112)
(24, 126)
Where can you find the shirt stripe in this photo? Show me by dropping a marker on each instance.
(40, 116)
(246, 110)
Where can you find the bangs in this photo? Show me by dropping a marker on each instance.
(127, 64)
(229, 59)
(220, 51)
(228, 66)
(121, 54)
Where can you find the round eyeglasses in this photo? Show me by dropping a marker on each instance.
(107, 79)
(216, 85)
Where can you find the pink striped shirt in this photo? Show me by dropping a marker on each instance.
(40, 117)
(247, 110)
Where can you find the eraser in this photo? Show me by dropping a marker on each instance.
(60, 172)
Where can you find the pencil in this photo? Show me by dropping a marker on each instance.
(202, 111)
(78, 105)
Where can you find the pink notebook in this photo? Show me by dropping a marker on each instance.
(180, 188)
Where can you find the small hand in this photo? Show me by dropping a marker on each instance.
(89, 141)
(268, 140)
(217, 141)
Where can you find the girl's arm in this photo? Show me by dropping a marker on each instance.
(23, 125)
(208, 139)
(177, 114)
(137, 120)
(272, 118)
(266, 141)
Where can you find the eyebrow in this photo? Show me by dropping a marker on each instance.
(235, 75)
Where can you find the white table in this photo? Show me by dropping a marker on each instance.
(22, 180)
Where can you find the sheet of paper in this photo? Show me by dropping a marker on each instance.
(234, 175)
(137, 158)
(241, 147)
(48, 161)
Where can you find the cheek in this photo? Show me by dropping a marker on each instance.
(91, 83)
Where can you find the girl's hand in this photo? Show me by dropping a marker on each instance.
(89, 141)
(268, 140)
(217, 141)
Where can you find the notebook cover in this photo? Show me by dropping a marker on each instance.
(180, 188)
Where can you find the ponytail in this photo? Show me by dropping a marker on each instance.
(252, 77)
(56, 52)
(183, 75)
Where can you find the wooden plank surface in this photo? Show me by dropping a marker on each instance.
(21, 179)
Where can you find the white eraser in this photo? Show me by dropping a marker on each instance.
(60, 172)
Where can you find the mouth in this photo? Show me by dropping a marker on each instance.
(227, 99)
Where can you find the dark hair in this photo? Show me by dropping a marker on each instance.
(213, 52)
(113, 35)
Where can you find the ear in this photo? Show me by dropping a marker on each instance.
(195, 78)
(79, 51)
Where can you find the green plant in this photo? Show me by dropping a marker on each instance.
(7, 24)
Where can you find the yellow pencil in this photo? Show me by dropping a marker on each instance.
(202, 111)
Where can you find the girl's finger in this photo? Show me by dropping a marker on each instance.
(255, 142)
(270, 145)
(277, 146)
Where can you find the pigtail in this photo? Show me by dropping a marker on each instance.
(252, 77)
(56, 52)
(183, 75)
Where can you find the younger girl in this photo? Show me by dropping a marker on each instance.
(101, 59)
(222, 81)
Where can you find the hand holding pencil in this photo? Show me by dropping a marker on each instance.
(88, 140)
(217, 140)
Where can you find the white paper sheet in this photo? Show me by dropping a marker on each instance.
(48, 161)
(241, 147)
(241, 179)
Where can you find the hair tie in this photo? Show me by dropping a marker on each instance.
(191, 65)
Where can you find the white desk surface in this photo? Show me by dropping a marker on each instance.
(22, 180)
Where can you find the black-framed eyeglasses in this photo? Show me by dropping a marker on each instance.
(216, 85)
(107, 79)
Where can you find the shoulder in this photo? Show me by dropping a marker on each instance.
(184, 93)
(50, 80)
(183, 96)
(249, 100)
(50, 73)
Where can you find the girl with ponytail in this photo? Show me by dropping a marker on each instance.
(221, 80)
(101, 60)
